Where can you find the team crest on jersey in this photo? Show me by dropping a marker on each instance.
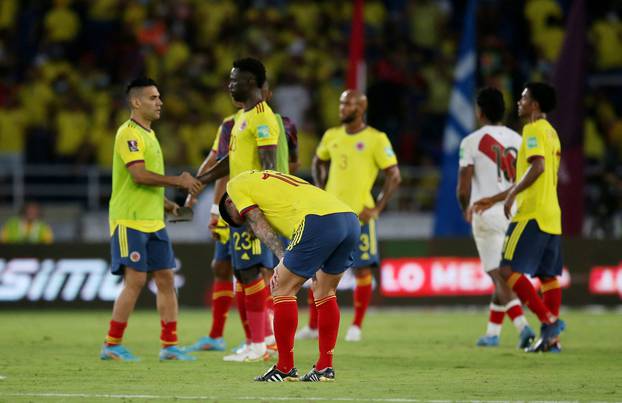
(389, 151)
(263, 132)
(243, 125)
(360, 146)
(132, 145)
(134, 256)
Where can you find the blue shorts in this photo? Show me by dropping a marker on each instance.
(323, 242)
(248, 252)
(221, 251)
(366, 253)
(529, 250)
(142, 251)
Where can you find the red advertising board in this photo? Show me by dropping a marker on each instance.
(439, 276)
(606, 280)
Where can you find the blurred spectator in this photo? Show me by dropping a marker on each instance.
(12, 136)
(27, 227)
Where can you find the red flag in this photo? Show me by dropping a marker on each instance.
(356, 65)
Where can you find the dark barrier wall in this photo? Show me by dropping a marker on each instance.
(76, 275)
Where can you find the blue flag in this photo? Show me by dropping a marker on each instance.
(460, 122)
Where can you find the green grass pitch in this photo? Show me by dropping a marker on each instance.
(406, 355)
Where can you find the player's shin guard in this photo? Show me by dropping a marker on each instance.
(495, 320)
(552, 295)
(328, 326)
(168, 336)
(222, 297)
(285, 324)
(515, 312)
(362, 297)
(240, 300)
(255, 300)
(115, 333)
(312, 310)
(528, 296)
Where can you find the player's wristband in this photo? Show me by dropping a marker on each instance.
(215, 210)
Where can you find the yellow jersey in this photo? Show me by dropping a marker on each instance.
(539, 201)
(253, 129)
(355, 162)
(284, 199)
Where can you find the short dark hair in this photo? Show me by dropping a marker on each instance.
(490, 102)
(253, 66)
(543, 94)
(222, 208)
(139, 83)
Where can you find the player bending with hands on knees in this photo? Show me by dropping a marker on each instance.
(487, 167)
(533, 240)
(274, 204)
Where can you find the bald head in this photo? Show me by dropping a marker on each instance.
(352, 106)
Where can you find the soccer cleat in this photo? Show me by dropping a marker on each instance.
(174, 353)
(274, 375)
(488, 341)
(117, 353)
(354, 334)
(549, 338)
(248, 354)
(306, 333)
(526, 337)
(240, 347)
(325, 375)
(206, 344)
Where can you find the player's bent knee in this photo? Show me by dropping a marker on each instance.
(247, 276)
(164, 279)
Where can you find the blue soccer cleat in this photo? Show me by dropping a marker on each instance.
(240, 347)
(549, 338)
(117, 353)
(174, 353)
(526, 337)
(206, 344)
(488, 341)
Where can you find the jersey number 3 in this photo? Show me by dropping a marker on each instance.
(503, 157)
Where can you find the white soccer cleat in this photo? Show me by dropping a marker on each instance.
(306, 333)
(354, 334)
(252, 353)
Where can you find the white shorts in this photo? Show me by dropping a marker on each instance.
(489, 232)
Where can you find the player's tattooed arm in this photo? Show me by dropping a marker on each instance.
(218, 170)
(267, 157)
(264, 231)
(319, 171)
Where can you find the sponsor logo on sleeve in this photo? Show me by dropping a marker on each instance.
(132, 145)
(390, 153)
(532, 142)
(263, 131)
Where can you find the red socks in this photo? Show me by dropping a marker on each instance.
(240, 302)
(552, 295)
(497, 312)
(269, 316)
(312, 310)
(328, 326)
(168, 336)
(255, 301)
(362, 296)
(115, 333)
(528, 296)
(222, 297)
(285, 324)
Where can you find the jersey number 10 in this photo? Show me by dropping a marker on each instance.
(503, 157)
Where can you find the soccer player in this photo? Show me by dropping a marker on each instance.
(254, 142)
(140, 243)
(355, 153)
(274, 204)
(533, 240)
(487, 167)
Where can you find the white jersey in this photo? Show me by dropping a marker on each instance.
(492, 151)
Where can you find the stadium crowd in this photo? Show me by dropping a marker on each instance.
(64, 65)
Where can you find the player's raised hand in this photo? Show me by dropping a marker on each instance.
(190, 183)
